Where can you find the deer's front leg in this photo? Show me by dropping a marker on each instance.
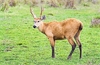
(52, 42)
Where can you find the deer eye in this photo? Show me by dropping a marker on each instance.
(38, 21)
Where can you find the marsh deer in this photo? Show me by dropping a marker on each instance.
(67, 29)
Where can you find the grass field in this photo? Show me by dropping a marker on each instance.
(20, 44)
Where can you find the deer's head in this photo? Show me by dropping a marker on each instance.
(39, 20)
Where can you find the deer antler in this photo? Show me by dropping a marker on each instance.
(31, 11)
(41, 11)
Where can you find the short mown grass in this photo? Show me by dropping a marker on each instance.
(20, 44)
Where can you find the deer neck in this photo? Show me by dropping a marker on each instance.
(42, 27)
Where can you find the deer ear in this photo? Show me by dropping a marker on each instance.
(43, 17)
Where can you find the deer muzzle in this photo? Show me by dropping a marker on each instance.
(34, 26)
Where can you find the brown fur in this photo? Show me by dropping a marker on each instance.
(61, 30)
(67, 29)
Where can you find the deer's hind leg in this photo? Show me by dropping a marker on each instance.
(71, 41)
(77, 39)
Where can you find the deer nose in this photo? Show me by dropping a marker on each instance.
(34, 26)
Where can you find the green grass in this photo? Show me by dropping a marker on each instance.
(20, 44)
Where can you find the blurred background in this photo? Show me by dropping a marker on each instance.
(5, 4)
(20, 44)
